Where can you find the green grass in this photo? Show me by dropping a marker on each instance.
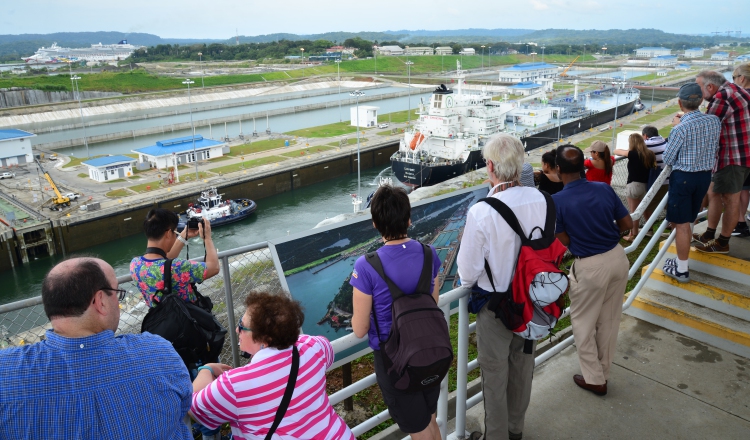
(308, 151)
(257, 147)
(142, 187)
(398, 117)
(82, 175)
(75, 161)
(323, 131)
(117, 193)
(248, 164)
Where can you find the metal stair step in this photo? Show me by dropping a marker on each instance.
(721, 266)
(693, 320)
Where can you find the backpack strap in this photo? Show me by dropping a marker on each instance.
(548, 234)
(284, 405)
(167, 289)
(423, 285)
(157, 251)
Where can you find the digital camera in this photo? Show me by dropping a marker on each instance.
(193, 222)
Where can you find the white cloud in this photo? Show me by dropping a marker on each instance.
(539, 5)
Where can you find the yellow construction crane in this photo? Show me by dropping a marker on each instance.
(569, 66)
(59, 200)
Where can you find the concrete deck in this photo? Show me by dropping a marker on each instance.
(662, 386)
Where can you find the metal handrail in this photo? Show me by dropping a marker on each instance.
(465, 328)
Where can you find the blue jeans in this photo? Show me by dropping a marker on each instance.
(203, 430)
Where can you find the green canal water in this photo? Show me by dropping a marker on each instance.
(276, 216)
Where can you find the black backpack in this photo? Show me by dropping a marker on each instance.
(193, 330)
(417, 353)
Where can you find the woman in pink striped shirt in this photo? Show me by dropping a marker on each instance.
(248, 397)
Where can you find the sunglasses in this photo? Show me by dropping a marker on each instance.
(240, 328)
(120, 292)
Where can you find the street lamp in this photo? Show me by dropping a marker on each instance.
(482, 57)
(542, 53)
(489, 58)
(408, 70)
(200, 62)
(357, 200)
(74, 79)
(338, 74)
(188, 81)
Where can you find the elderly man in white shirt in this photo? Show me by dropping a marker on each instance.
(506, 369)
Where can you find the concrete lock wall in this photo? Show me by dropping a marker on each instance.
(78, 235)
(21, 97)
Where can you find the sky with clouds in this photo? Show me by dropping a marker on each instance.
(219, 18)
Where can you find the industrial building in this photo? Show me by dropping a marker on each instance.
(390, 50)
(525, 88)
(368, 116)
(418, 50)
(107, 168)
(467, 51)
(720, 56)
(526, 72)
(179, 151)
(651, 52)
(444, 50)
(663, 61)
(694, 52)
(15, 147)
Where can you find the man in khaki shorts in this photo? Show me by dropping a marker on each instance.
(731, 104)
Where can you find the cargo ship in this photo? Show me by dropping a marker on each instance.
(447, 139)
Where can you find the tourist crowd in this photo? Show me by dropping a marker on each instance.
(83, 382)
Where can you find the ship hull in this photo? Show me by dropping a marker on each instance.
(417, 174)
(242, 214)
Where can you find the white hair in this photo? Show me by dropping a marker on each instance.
(712, 77)
(506, 153)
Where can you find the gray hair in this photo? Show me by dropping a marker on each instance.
(691, 104)
(506, 152)
(744, 70)
(712, 77)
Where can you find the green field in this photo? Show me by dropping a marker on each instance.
(307, 151)
(257, 147)
(248, 164)
(323, 131)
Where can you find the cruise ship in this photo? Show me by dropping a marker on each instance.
(96, 53)
(447, 139)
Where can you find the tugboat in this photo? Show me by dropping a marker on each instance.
(219, 212)
(447, 140)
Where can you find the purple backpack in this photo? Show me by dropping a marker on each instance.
(417, 353)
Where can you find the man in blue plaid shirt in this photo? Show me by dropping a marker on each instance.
(691, 150)
(82, 381)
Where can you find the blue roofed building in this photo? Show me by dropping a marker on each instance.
(525, 88)
(15, 147)
(179, 151)
(694, 52)
(526, 72)
(720, 56)
(650, 52)
(743, 58)
(663, 61)
(107, 168)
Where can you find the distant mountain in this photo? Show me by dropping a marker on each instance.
(464, 33)
(621, 36)
(338, 37)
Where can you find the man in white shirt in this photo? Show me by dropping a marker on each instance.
(506, 369)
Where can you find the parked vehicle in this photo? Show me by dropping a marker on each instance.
(7, 176)
(72, 196)
(383, 125)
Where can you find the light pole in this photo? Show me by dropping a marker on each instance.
(482, 57)
(200, 62)
(303, 59)
(489, 58)
(542, 53)
(617, 104)
(338, 74)
(188, 81)
(358, 200)
(408, 70)
(77, 92)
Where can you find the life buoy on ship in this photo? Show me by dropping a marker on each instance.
(418, 137)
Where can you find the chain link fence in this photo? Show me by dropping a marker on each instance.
(243, 270)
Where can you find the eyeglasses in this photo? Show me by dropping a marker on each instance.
(120, 292)
(240, 328)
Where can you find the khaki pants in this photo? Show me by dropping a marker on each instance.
(506, 376)
(597, 287)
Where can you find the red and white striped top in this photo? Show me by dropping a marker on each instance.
(248, 397)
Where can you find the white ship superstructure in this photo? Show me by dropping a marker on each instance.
(96, 53)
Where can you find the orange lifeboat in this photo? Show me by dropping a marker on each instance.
(418, 137)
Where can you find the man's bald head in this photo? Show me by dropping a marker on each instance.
(69, 288)
(569, 159)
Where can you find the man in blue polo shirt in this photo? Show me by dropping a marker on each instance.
(83, 382)
(590, 219)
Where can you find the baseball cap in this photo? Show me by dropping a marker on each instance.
(690, 92)
(598, 146)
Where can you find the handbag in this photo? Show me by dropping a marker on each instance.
(284, 405)
(193, 330)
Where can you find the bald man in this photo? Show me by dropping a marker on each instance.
(82, 381)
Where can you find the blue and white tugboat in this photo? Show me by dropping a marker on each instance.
(219, 212)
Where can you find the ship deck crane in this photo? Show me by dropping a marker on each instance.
(569, 66)
(59, 200)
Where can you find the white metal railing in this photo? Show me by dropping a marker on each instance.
(465, 328)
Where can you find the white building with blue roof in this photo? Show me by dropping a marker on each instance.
(743, 58)
(107, 168)
(694, 52)
(720, 56)
(525, 88)
(15, 147)
(650, 52)
(526, 72)
(164, 153)
(663, 61)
